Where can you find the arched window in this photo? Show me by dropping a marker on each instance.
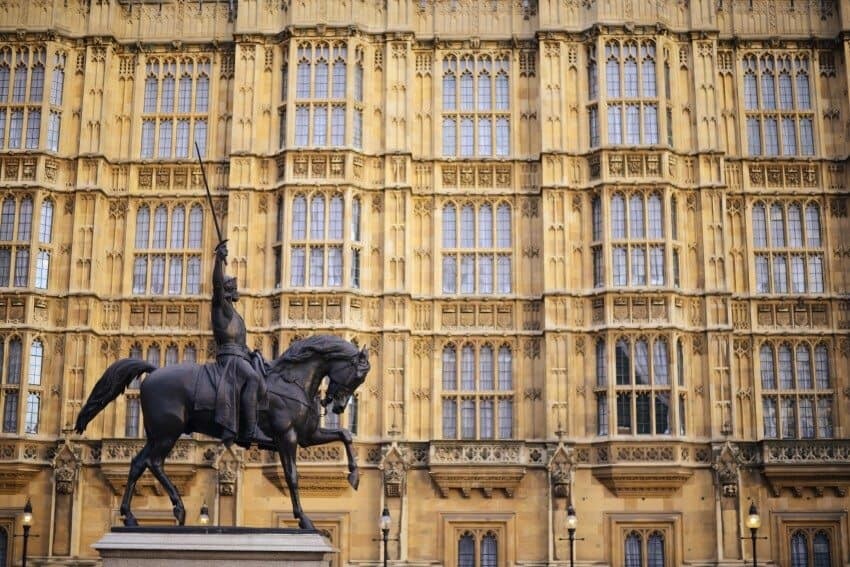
(317, 218)
(768, 374)
(45, 230)
(449, 368)
(821, 551)
(466, 550)
(655, 550)
(633, 553)
(449, 226)
(171, 355)
(142, 227)
(25, 220)
(299, 218)
(506, 381)
(178, 226)
(335, 218)
(355, 220)
(503, 226)
(489, 551)
(485, 368)
(154, 355)
(160, 227)
(799, 550)
(36, 358)
(190, 354)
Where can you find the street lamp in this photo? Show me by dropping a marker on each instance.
(204, 517)
(572, 523)
(385, 531)
(754, 523)
(26, 520)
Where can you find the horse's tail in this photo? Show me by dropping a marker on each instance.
(111, 385)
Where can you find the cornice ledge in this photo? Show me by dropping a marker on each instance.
(485, 478)
(314, 481)
(636, 481)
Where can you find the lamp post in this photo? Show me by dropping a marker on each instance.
(572, 523)
(754, 523)
(26, 520)
(204, 517)
(385, 531)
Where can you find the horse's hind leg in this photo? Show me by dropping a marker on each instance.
(137, 469)
(158, 453)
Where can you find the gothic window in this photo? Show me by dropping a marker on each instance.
(477, 253)
(644, 548)
(175, 110)
(168, 253)
(478, 548)
(810, 547)
(778, 106)
(132, 416)
(36, 357)
(640, 243)
(478, 392)
(22, 76)
(321, 94)
(16, 219)
(788, 247)
(630, 98)
(647, 401)
(476, 105)
(318, 257)
(15, 390)
(797, 387)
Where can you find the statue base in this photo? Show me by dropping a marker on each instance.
(213, 547)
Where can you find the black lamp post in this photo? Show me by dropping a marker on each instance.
(204, 517)
(572, 523)
(385, 531)
(754, 523)
(26, 520)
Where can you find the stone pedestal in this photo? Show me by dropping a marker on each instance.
(213, 547)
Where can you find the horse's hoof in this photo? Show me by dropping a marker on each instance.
(354, 479)
(130, 521)
(305, 524)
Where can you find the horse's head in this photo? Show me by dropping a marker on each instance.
(345, 375)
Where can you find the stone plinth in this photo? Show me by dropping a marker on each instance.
(213, 547)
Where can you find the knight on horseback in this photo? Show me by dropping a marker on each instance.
(244, 386)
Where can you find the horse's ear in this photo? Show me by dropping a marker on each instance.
(364, 352)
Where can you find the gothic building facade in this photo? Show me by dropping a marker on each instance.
(595, 247)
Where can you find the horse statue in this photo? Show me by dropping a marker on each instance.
(168, 400)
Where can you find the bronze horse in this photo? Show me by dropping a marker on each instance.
(291, 419)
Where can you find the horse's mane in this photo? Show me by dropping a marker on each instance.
(327, 346)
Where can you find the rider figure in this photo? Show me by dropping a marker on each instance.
(233, 356)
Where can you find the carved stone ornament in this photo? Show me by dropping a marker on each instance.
(228, 466)
(727, 461)
(561, 471)
(394, 470)
(66, 466)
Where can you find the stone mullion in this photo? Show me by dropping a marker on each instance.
(705, 97)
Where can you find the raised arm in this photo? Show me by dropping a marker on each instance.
(218, 272)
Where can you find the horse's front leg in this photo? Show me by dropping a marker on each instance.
(287, 445)
(324, 435)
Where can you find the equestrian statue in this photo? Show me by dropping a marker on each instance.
(240, 397)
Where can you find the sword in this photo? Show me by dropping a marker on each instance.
(209, 195)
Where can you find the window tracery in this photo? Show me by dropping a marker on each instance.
(322, 102)
(788, 247)
(176, 106)
(797, 387)
(320, 247)
(476, 105)
(778, 105)
(477, 248)
(477, 391)
(630, 98)
(167, 249)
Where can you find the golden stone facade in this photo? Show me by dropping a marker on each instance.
(595, 248)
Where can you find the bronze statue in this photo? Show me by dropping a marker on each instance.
(180, 399)
(243, 386)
